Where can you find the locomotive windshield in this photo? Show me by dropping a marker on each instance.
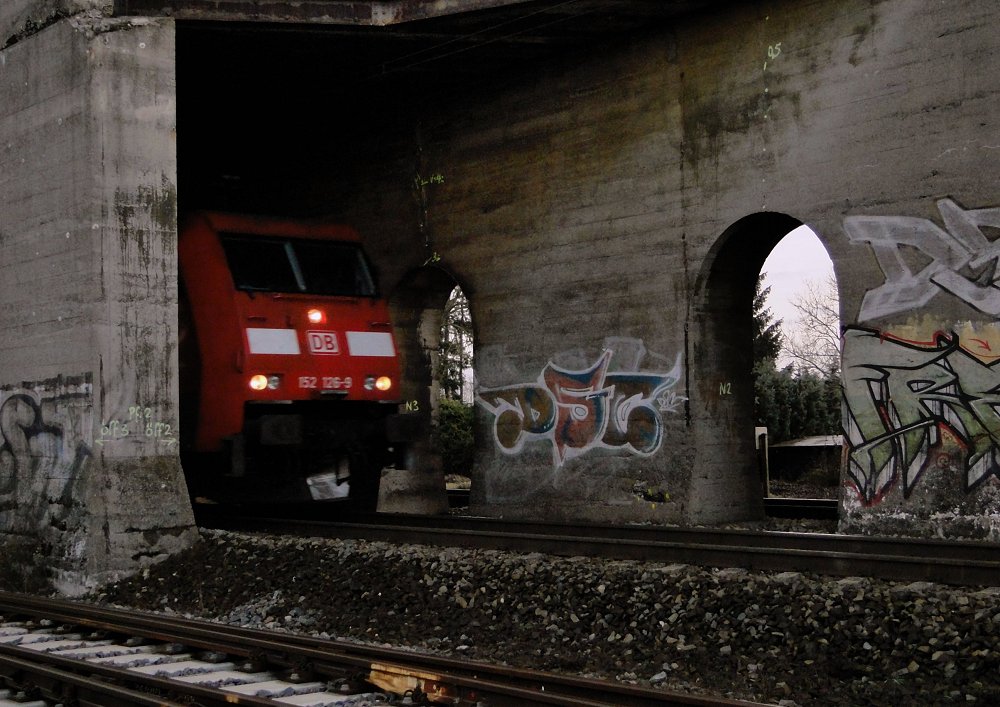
(298, 265)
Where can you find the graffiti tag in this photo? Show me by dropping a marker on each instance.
(963, 261)
(43, 451)
(580, 410)
(917, 406)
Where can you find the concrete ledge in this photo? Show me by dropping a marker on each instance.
(407, 491)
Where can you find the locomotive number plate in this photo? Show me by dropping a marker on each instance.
(323, 342)
(326, 382)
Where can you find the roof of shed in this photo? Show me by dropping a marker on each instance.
(817, 441)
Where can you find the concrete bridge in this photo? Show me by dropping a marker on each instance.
(614, 175)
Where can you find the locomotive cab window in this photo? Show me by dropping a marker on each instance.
(298, 266)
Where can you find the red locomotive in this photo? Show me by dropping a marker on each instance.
(289, 370)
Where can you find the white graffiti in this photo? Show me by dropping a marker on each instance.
(963, 260)
(141, 422)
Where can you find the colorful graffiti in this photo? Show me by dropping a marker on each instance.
(578, 410)
(958, 259)
(914, 407)
(42, 449)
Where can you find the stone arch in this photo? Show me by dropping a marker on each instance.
(417, 306)
(725, 481)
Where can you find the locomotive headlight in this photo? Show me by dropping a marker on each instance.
(316, 316)
(382, 383)
(262, 382)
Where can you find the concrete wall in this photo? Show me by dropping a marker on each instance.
(88, 460)
(23, 18)
(607, 218)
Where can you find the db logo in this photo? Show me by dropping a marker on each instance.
(323, 342)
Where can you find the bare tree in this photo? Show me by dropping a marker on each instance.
(455, 360)
(813, 342)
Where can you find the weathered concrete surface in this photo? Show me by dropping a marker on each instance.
(406, 491)
(23, 18)
(88, 461)
(625, 203)
(607, 216)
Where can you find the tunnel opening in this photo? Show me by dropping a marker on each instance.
(798, 389)
(454, 437)
(435, 335)
(731, 480)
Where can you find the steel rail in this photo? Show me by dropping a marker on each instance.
(31, 676)
(811, 508)
(451, 678)
(774, 506)
(891, 558)
(58, 678)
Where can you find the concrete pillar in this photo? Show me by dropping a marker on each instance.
(88, 371)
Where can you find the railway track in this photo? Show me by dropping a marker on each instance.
(900, 559)
(71, 653)
(774, 507)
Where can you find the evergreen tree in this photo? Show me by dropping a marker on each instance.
(793, 404)
(767, 337)
(832, 396)
(453, 437)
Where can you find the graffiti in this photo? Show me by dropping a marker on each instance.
(918, 407)
(140, 423)
(773, 52)
(42, 447)
(958, 259)
(577, 410)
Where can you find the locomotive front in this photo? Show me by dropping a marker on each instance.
(289, 370)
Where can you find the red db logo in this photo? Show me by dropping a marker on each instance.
(323, 342)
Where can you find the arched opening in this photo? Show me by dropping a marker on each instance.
(453, 438)
(434, 335)
(798, 390)
(727, 481)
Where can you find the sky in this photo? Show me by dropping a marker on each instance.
(798, 258)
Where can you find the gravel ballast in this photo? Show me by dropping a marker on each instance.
(787, 638)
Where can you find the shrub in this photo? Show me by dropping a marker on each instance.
(454, 440)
